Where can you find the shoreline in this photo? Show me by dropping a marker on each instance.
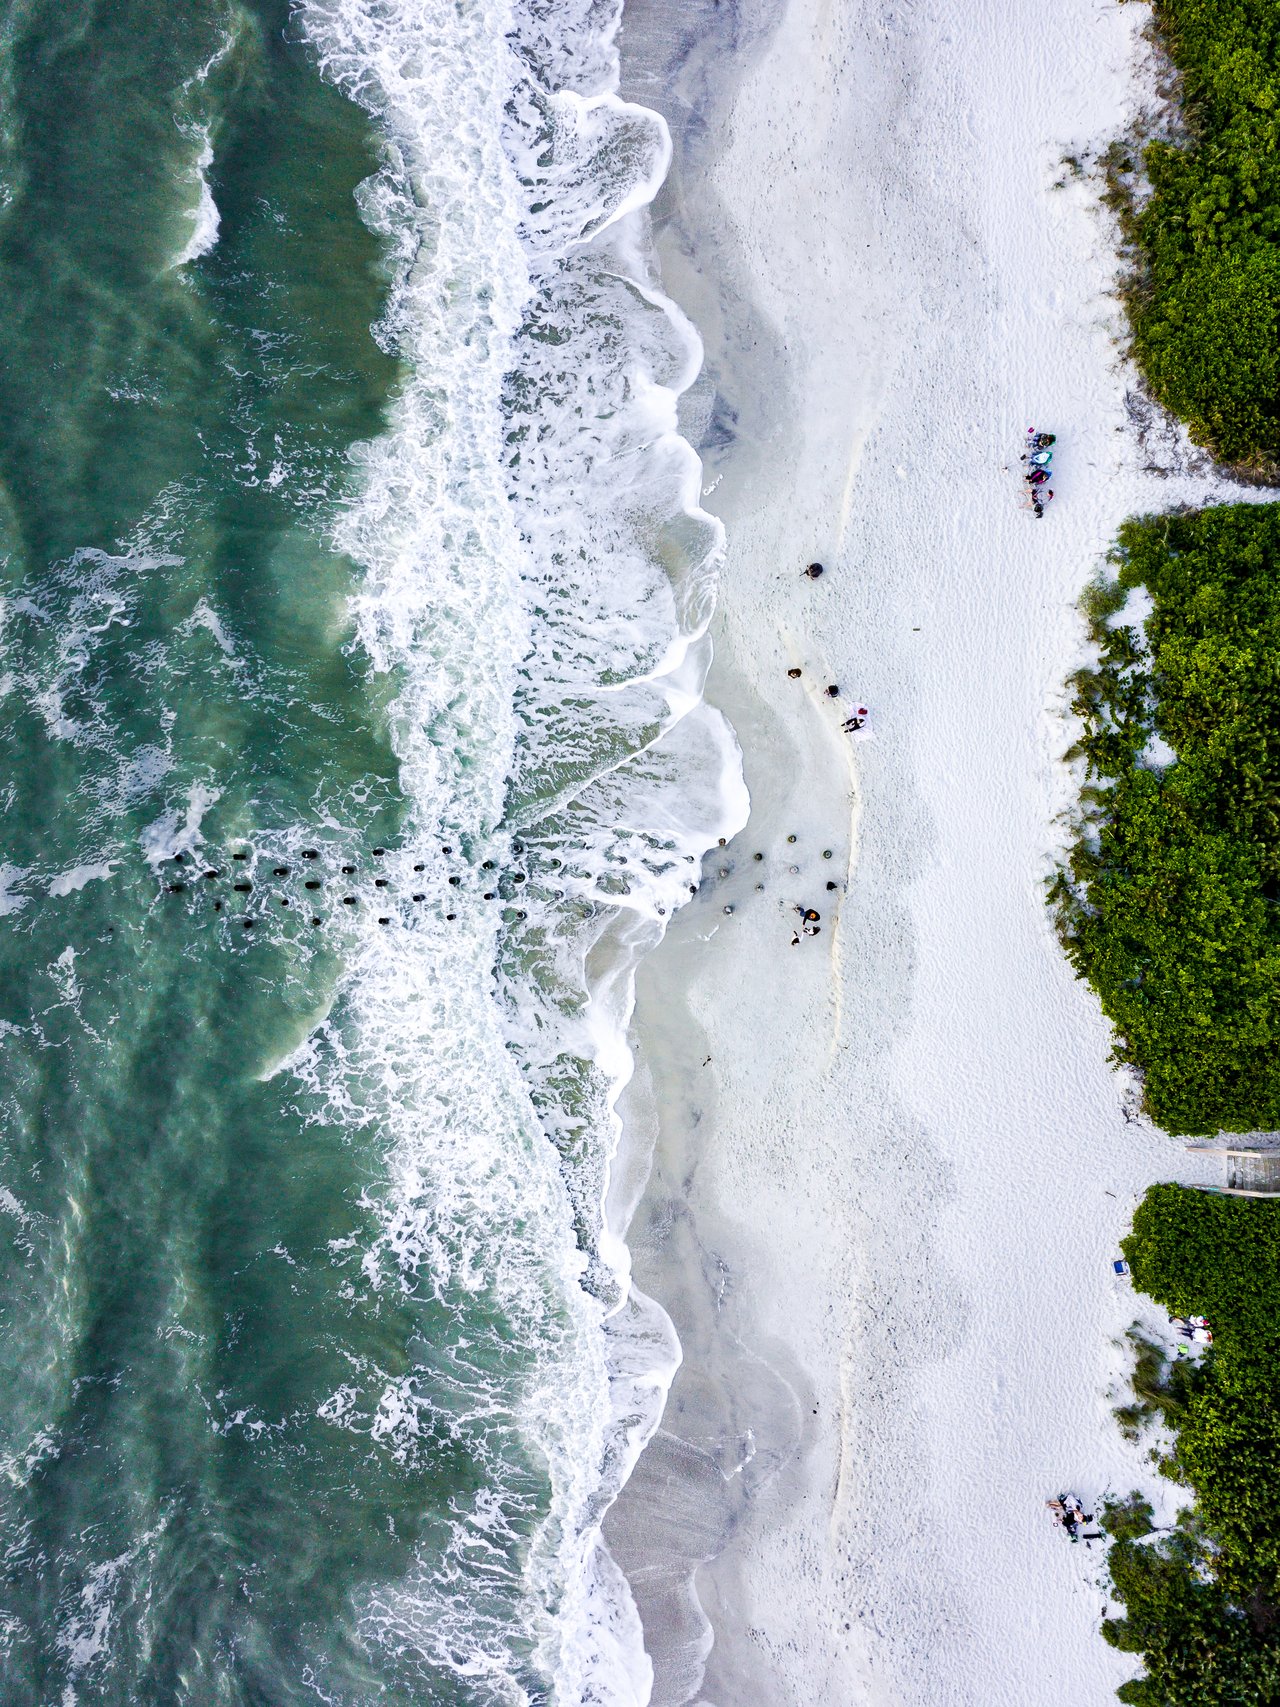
(880, 1216)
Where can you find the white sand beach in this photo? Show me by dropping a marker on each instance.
(893, 1163)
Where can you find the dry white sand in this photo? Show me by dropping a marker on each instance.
(883, 1214)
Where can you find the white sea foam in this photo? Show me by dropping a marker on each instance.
(68, 882)
(204, 216)
(539, 574)
(200, 131)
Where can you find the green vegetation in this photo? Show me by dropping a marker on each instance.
(1204, 299)
(1170, 903)
(1127, 1520)
(1161, 1390)
(1202, 1605)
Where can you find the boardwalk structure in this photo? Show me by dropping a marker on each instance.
(1252, 1165)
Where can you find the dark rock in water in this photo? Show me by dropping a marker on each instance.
(178, 858)
(248, 924)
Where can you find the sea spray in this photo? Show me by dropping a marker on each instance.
(538, 579)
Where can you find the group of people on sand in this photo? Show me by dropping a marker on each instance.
(1069, 1514)
(809, 924)
(857, 721)
(1193, 1328)
(1037, 456)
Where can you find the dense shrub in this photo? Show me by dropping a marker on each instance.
(1170, 903)
(1204, 303)
(1202, 1606)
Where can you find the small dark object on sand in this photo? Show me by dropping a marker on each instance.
(813, 570)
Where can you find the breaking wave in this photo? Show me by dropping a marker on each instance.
(538, 578)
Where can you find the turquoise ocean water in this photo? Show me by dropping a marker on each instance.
(350, 644)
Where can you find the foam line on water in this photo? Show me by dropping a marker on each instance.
(539, 575)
